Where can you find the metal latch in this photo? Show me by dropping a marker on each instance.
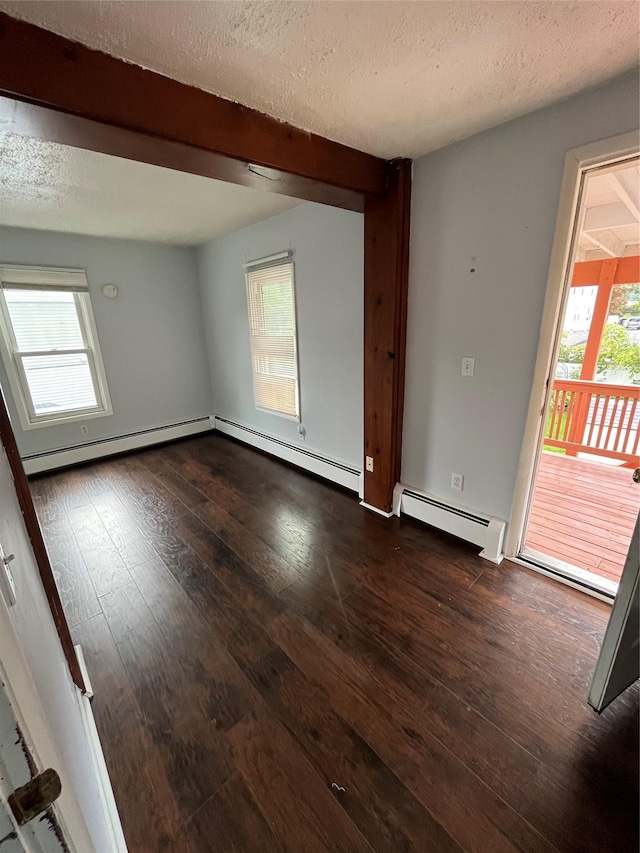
(36, 796)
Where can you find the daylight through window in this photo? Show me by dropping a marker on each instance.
(50, 348)
(272, 324)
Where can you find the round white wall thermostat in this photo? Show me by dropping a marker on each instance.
(110, 291)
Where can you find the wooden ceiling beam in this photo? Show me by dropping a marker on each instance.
(47, 70)
(587, 273)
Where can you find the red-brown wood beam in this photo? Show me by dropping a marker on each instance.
(45, 69)
(587, 273)
(23, 493)
(386, 271)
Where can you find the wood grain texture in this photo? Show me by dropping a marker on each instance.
(49, 71)
(386, 277)
(583, 513)
(280, 638)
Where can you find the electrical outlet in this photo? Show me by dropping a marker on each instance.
(84, 429)
(468, 366)
(457, 482)
(369, 463)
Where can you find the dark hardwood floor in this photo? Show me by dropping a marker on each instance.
(276, 668)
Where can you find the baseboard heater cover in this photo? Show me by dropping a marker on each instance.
(37, 463)
(322, 466)
(483, 530)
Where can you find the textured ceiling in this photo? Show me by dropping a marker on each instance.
(390, 78)
(56, 188)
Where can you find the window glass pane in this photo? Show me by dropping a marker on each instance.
(59, 383)
(44, 320)
(273, 338)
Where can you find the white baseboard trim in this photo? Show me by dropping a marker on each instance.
(336, 472)
(467, 524)
(107, 800)
(40, 462)
(376, 510)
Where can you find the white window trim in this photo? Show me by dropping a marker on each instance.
(254, 266)
(52, 278)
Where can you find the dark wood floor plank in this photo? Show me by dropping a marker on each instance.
(456, 798)
(246, 585)
(195, 646)
(143, 794)
(384, 810)
(104, 564)
(276, 572)
(271, 636)
(490, 752)
(232, 822)
(126, 536)
(295, 802)
(175, 709)
(210, 479)
(77, 591)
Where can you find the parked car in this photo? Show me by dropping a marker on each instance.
(633, 324)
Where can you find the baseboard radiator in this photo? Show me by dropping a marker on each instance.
(322, 466)
(90, 450)
(482, 530)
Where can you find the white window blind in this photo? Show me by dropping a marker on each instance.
(49, 345)
(272, 325)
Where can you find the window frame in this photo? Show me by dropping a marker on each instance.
(62, 280)
(274, 261)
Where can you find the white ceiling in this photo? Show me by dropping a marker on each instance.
(56, 188)
(390, 78)
(610, 214)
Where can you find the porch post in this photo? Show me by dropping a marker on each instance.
(599, 319)
(606, 283)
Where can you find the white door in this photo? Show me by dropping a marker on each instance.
(619, 662)
(55, 718)
(37, 836)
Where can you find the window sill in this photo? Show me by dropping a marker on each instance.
(72, 418)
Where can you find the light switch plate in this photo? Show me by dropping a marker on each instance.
(468, 366)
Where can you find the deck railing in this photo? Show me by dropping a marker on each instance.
(592, 417)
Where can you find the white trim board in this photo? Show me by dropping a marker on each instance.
(322, 466)
(38, 463)
(107, 800)
(577, 162)
(467, 524)
(560, 578)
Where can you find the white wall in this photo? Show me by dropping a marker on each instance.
(32, 662)
(328, 255)
(151, 336)
(489, 204)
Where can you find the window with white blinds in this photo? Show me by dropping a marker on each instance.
(272, 325)
(50, 347)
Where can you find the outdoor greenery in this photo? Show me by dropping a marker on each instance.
(625, 300)
(618, 351)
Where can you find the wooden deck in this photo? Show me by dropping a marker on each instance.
(583, 513)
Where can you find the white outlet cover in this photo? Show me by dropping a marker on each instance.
(457, 482)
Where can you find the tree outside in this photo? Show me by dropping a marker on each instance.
(625, 300)
(619, 352)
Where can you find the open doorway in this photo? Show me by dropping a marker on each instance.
(583, 502)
